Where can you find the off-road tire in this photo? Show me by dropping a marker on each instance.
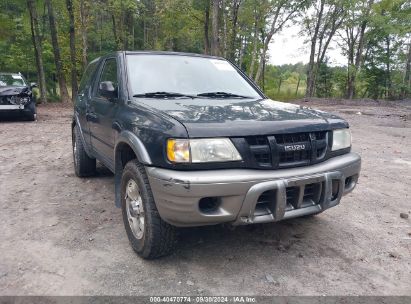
(159, 238)
(85, 165)
(32, 116)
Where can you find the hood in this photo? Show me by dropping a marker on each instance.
(13, 90)
(238, 117)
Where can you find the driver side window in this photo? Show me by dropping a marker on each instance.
(109, 73)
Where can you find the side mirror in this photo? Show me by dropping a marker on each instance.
(33, 85)
(107, 90)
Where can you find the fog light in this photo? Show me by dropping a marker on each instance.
(208, 204)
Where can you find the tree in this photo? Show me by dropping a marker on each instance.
(206, 27)
(215, 41)
(56, 50)
(84, 19)
(257, 19)
(321, 24)
(374, 36)
(74, 86)
(385, 56)
(234, 28)
(282, 12)
(354, 39)
(407, 74)
(38, 53)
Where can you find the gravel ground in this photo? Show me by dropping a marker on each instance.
(61, 235)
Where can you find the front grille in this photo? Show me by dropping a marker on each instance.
(288, 158)
(260, 149)
(292, 138)
(287, 150)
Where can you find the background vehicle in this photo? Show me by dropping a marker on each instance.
(16, 96)
(192, 141)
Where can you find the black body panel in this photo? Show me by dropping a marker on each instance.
(255, 126)
(234, 117)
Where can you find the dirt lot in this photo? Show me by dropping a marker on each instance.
(61, 235)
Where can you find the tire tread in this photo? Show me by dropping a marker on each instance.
(162, 237)
(86, 165)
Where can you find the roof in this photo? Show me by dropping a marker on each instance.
(170, 53)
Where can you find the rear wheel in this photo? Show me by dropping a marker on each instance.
(83, 164)
(149, 235)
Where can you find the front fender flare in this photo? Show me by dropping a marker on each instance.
(130, 139)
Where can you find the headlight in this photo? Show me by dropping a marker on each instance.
(19, 100)
(178, 150)
(341, 139)
(201, 150)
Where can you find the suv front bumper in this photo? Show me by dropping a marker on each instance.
(245, 196)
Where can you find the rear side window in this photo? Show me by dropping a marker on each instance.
(87, 76)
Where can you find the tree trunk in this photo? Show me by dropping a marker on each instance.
(234, 16)
(388, 65)
(206, 27)
(54, 41)
(84, 21)
(356, 63)
(254, 53)
(351, 41)
(243, 44)
(215, 48)
(407, 74)
(311, 64)
(224, 42)
(266, 43)
(74, 86)
(116, 37)
(37, 50)
(298, 86)
(358, 56)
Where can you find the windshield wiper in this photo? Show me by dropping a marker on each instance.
(222, 95)
(163, 95)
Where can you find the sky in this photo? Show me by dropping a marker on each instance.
(288, 47)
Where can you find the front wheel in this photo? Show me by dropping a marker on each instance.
(149, 235)
(32, 116)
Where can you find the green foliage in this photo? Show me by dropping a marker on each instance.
(390, 30)
(179, 25)
(285, 82)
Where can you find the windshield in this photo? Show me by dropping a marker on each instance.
(185, 75)
(11, 80)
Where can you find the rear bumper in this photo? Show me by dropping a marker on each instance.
(243, 196)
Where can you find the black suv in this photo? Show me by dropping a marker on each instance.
(193, 141)
(16, 96)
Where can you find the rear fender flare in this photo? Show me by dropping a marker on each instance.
(76, 122)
